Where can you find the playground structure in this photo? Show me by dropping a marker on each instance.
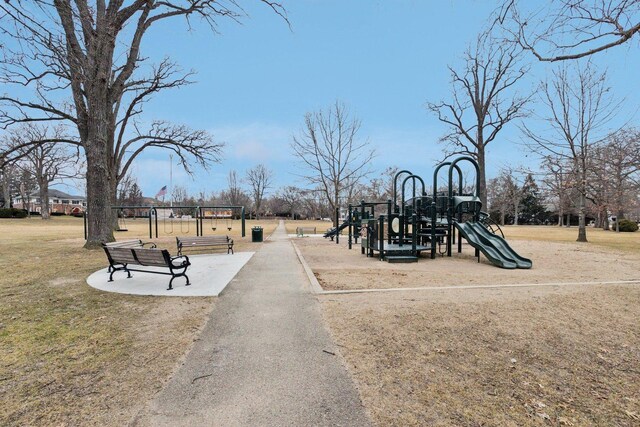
(180, 219)
(413, 222)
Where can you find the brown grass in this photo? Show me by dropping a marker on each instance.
(321, 226)
(494, 357)
(562, 356)
(629, 242)
(72, 355)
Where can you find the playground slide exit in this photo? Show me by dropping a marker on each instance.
(498, 253)
(501, 245)
(332, 232)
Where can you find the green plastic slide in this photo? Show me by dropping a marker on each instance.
(501, 245)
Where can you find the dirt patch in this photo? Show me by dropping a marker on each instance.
(338, 268)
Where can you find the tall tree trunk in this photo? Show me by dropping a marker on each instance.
(43, 184)
(482, 191)
(582, 229)
(336, 198)
(100, 184)
(502, 215)
(560, 216)
(516, 212)
(6, 190)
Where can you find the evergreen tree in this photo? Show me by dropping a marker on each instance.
(532, 209)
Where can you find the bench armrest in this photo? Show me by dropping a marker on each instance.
(182, 261)
(151, 245)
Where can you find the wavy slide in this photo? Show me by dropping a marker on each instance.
(495, 248)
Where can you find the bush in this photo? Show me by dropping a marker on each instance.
(13, 213)
(20, 213)
(628, 226)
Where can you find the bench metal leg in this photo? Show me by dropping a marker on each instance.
(114, 269)
(178, 275)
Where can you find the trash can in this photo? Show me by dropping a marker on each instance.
(256, 234)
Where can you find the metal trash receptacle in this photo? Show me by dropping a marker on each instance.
(256, 234)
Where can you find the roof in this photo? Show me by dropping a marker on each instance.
(59, 195)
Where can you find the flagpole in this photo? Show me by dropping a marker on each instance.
(171, 180)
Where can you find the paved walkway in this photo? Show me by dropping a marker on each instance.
(262, 359)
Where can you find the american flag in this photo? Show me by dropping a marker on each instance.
(162, 192)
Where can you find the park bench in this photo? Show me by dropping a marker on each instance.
(120, 259)
(301, 231)
(133, 243)
(204, 241)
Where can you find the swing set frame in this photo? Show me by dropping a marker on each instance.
(151, 213)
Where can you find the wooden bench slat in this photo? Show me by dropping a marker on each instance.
(150, 257)
(136, 243)
(122, 255)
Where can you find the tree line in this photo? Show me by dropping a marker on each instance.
(77, 69)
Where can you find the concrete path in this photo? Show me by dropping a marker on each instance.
(264, 358)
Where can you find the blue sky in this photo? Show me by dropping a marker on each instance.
(384, 59)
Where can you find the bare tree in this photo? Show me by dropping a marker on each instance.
(484, 100)
(290, 199)
(506, 194)
(498, 196)
(329, 149)
(234, 193)
(615, 174)
(179, 195)
(46, 162)
(559, 182)
(260, 179)
(81, 64)
(570, 29)
(579, 106)
(8, 183)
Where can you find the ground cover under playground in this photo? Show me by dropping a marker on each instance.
(558, 259)
(535, 355)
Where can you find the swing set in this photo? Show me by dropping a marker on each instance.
(220, 217)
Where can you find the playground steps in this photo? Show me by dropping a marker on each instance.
(401, 258)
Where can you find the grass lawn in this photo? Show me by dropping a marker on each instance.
(629, 242)
(72, 355)
(321, 226)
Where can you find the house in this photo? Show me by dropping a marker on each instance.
(58, 202)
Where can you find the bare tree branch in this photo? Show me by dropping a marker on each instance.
(571, 29)
(483, 101)
(329, 150)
